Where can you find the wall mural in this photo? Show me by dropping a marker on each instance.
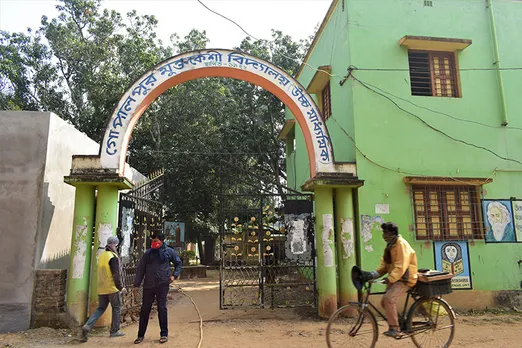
(498, 220)
(453, 257)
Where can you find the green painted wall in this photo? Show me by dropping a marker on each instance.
(366, 36)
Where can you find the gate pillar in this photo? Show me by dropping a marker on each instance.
(106, 226)
(86, 174)
(325, 246)
(80, 261)
(346, 250)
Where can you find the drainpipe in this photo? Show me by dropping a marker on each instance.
(497, 63)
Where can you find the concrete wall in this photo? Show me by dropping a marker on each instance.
(54, 237)
(23, 144)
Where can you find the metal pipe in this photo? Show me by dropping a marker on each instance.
(497, 63)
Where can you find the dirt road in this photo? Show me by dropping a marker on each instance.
(257, 328)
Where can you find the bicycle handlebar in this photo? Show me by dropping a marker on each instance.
(381, 281)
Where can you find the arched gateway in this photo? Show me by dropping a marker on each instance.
(215, 63)
(98, 178)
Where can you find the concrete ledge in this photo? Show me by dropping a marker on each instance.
(191, 272)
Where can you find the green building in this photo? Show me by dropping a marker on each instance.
(422, 104)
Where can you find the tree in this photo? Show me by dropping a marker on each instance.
(92, 55)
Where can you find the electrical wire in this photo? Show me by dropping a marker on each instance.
(199, 313)
(279, 53)
(398, 170)
(384, 95)
(432, 127)
(439, 112)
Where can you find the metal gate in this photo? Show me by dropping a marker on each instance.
(267, 248)
(140, 214)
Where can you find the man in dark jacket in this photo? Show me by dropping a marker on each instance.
(154, 266)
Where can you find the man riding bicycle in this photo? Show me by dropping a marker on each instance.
(400, 263)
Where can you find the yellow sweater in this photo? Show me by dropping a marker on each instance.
(403, 266)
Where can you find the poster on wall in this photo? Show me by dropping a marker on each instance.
(517, 218)
(498, 218)
(453, 257)
(174, 232)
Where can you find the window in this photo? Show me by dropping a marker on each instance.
(433, 74)
(326, 102)
(447, 212)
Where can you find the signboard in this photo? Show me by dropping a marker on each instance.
(174, 232)
(517, 218)
(498, 218)
(453, 257)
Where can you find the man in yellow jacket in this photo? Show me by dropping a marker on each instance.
(400, 263)
(110, 289)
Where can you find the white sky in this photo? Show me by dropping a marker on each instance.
(296, 18)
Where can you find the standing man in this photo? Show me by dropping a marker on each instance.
(154, 266)
(110, 289)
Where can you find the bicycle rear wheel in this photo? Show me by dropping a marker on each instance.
(431, 323)
(351, 327)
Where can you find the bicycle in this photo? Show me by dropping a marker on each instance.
(355, 325)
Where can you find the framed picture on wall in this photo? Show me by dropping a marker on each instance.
(453, 257)
(498, 220)
(517, 218)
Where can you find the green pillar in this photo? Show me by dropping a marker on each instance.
(346, 249)
(324, 232)
(106, 225)
(80, 263)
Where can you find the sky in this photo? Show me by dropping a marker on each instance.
(296, 18)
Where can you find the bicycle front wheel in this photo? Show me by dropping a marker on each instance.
(351, 327)
(431, 323)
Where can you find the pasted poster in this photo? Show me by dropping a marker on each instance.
(453, 257)
(498, 219)
(517, 218)
(174, 232)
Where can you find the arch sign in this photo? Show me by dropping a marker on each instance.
(215, 63)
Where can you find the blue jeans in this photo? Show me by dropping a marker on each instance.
(103, 302)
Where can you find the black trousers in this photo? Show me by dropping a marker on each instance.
(160, 294)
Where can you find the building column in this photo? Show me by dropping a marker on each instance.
(346, 248)
(106, 225)
(80, 260)
(324, 241)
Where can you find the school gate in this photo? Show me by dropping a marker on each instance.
(98, 178)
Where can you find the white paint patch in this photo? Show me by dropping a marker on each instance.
(366, 227)
(128, 223)
(347, 238)
(104, 232)
(368, 223)
(80, 251)
(298, 244)
(382, 209)
(327, 239)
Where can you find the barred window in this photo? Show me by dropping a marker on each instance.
(433, 74)
(326, 102)
(447, 212)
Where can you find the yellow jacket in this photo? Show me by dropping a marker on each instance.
(403, 266)
(106, 284)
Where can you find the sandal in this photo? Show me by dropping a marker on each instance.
(138, 340)
(163, 339)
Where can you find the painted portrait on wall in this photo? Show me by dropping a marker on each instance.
(498, 219)
(174, 232)
(452, 257)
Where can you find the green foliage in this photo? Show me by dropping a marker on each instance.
(80, 63)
